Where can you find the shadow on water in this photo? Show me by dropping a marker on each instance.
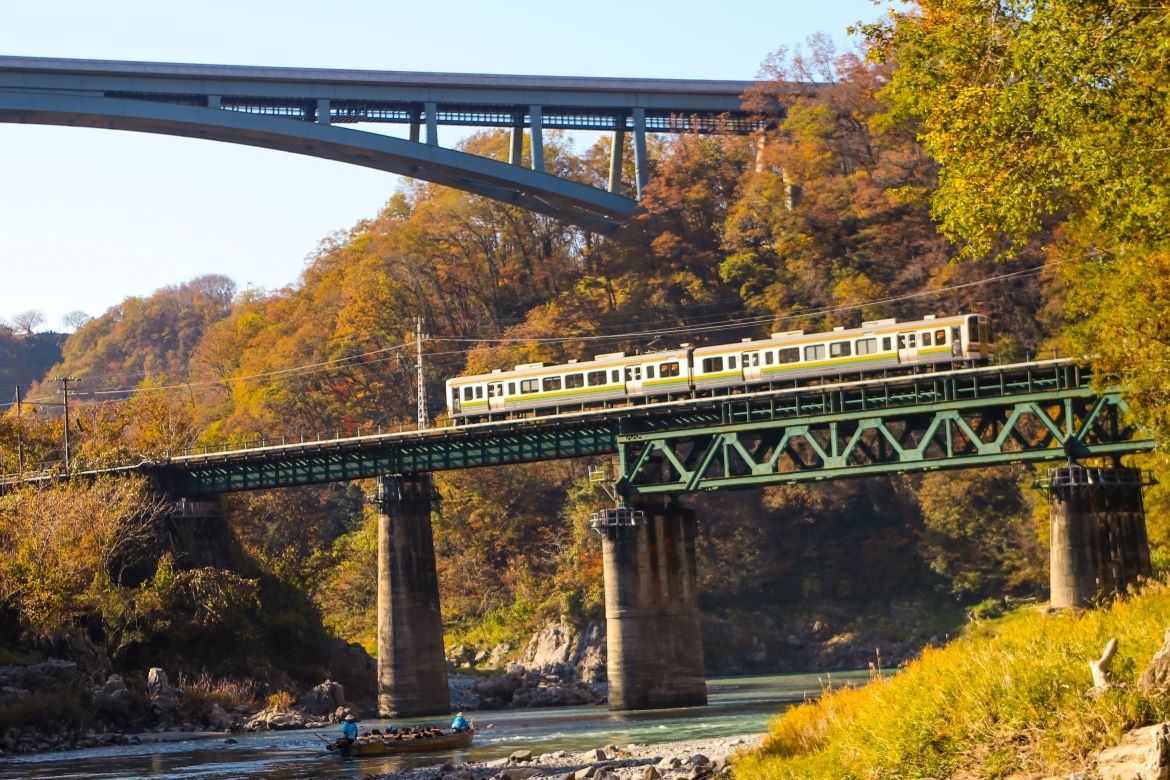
(737, 705)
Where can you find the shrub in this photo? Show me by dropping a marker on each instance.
(281, 700)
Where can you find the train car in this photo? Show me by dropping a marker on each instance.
(792, 355)
(876, 345)
(615, 376)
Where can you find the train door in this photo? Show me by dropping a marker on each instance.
(907, 347)
(633, 380)
(495, 396)
(751, 366)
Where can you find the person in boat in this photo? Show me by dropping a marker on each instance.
(460, 723)
(349, 731)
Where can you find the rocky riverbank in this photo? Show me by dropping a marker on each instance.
(686, 760)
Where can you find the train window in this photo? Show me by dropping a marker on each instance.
(495, 389)
(668, 369)
(511, 388)
(840, 349)
(712, 364)
(479, 391)
(814, 352)
(940, 336)
(574, 380)
(552, 383)
(769, 358)
(788, 355)
(731, 361)
(972, 329)
(649, 372)
(468, 393)
(907, 340)
(529, 385)
(887, 344)
(596, 378)
(956, 334)
(751, 359)
(866, 346)
(615, 375)
(985, 332)
(926, 341)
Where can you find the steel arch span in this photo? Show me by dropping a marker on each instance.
(299, 110)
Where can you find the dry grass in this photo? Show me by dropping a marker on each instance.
(226, 692)
(1008, 697)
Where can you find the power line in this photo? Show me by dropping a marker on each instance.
(733, 324)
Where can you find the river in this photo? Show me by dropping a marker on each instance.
(737, 705)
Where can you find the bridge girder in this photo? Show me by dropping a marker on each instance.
(1047, 426)
(298, 109)
(588, 207)
(988, 416)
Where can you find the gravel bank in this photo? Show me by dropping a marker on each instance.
(686, 760)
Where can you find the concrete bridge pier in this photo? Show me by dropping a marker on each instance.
(655, 651)
(412, 668)
(1098, 537)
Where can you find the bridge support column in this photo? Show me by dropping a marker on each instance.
(412, 669)
(617, 153)
(641, 159)
(655, 652)
(536, 119)
(1098, 538)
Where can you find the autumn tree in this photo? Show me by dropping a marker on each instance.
(27, 320)
(1046, 121)
(61, 543)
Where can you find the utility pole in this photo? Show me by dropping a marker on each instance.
(65, 380)
(423, 423)
(19, 434)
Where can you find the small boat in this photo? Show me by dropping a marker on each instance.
(407, 741)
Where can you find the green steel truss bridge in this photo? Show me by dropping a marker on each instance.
(327, 112)
(1027, 412)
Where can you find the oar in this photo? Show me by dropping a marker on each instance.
(329, 745)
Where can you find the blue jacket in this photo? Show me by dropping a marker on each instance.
(349, 729)
(460, 723)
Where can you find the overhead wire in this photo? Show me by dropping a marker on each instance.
(733, 324)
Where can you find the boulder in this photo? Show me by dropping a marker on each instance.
(519, 773)
(218, 719)
(650, 773)
(157, 684)
(114, 687)
(1156, 678)
(323, 699)
(275, 720)
(520, 755)
(497, 655)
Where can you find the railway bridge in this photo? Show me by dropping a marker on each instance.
(1035, 412)
(328, 113)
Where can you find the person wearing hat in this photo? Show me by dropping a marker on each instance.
(460, 723)
(349, 731)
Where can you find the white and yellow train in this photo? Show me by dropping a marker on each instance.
(618, 378)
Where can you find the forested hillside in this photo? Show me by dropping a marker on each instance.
(825, 220)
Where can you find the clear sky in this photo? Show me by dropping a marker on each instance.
(89, 217)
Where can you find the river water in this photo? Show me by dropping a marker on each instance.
(737, 705)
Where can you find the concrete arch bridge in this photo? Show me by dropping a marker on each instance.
(317, 112)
